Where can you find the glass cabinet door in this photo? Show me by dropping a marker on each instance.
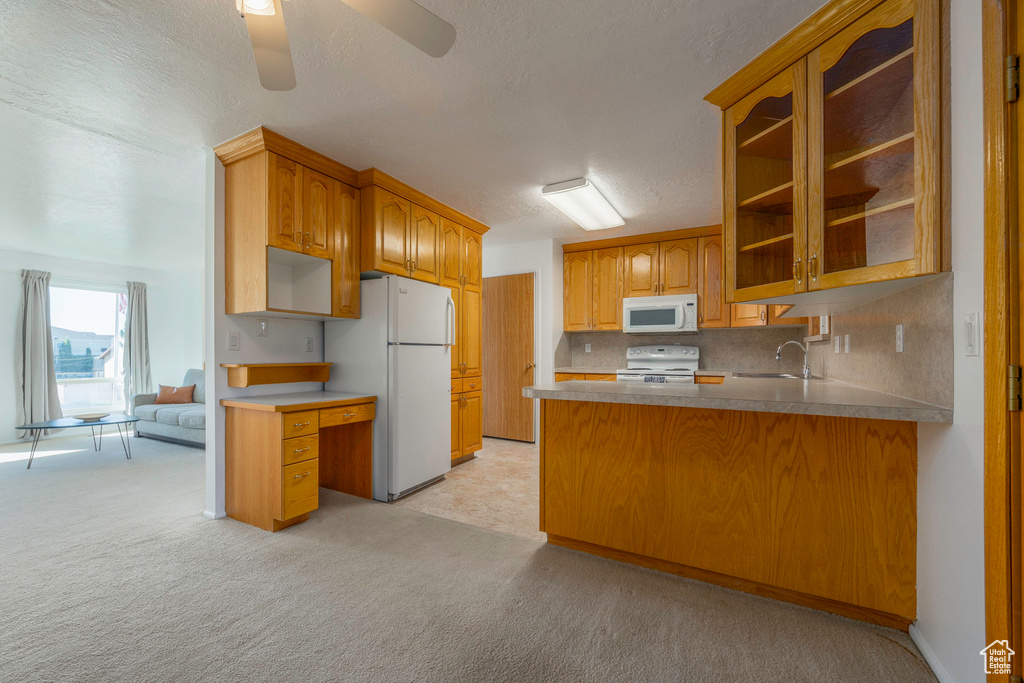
(871, 196)
(765, 189)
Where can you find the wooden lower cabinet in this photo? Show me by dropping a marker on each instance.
(467, 418)
(569, 376)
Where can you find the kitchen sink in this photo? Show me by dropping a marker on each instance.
(771, 375)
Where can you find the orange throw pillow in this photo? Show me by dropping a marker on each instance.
(175, 394)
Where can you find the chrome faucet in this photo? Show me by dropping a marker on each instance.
(806, 371)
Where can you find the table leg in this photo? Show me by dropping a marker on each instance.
(126, 444)
(97, 445)
(35, 443)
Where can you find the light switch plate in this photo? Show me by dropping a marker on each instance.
(837, 342)
(261, 328)
(899, 338)
(972, 334)
(232, 341)
(586, 348)
(846, 343)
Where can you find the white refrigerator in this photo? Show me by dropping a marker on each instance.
(400, 351)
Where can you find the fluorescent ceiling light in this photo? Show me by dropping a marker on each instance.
(264, 7)
(580, 201)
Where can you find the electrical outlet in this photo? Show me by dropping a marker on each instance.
(261, 328)
(233, 341)
(972, 335)
(899, 338)
(846, 343)
(586, 348)
(309, 345)
(837, 342)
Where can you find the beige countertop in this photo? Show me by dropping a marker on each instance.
(813, 397)
(612, 371)
(303, 400)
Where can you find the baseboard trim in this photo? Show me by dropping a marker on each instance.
(214, 515)
(843, 609)
(929, 655)
(465, 458)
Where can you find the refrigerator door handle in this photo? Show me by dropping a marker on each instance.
(453, 333)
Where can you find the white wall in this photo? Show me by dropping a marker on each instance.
(544, 259)
(175, 317)
(950, 628)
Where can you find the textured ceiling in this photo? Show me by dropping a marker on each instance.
(106, 107)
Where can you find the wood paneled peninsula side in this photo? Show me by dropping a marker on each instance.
(795, 490)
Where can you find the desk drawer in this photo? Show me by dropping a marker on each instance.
(300, 489)
(331, 417)
(472, 384)
(456, 386)
(301, 424)
(299, 449)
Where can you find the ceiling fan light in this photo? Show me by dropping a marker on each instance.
(580, 201)
(263, 7)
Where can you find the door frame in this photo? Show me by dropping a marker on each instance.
(1002, 333)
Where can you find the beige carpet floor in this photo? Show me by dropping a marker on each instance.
(109, 573)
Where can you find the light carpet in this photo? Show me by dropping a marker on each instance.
(109, 573)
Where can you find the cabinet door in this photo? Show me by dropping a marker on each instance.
(577, 283)
(456, 349)
(607, 289)
(873, 159)
(471, 335)
(451, 253)
(472, 261)
(393, 216)
(640, 275)
(775, 314)
(456, 426)
(284, 191)
(679, 266)
(712, 311)
(765, 189)
(318, 191)
(424, 253)
(472, 422)
(345, 295)
(748, 315)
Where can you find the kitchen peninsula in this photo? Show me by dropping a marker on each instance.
(804, 491)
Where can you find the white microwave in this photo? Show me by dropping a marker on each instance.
(659, 314)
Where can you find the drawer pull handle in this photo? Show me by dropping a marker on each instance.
(302, 450)
(302, 424)
(348, 415)
(302, 476)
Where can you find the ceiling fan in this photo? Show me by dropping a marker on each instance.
(264, 20)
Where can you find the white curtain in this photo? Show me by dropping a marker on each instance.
(34, 375)
(137, 379)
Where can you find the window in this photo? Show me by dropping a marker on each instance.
(88, 340)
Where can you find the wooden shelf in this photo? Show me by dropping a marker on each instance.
(871, 212)
(894, 147)
(781, 195)
(765, 243)
(864, 104)
(251, 374)
(856, 177)
(775, 142)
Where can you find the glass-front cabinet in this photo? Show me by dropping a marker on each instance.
(832, 167)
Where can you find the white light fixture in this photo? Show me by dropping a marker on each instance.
(580, 201)
(264, 7)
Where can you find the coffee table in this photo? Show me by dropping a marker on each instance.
(71, 422)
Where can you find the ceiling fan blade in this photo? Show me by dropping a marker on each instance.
(411, 22)
(270, 49)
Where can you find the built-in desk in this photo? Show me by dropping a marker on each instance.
(280, 448)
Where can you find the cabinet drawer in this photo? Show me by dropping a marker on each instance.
(300, 489)
(456, 386)
(472, 384)
(301, 424)
(299, 449)
(331, 417)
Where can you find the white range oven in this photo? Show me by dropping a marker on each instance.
(660, 364)
(659, 314)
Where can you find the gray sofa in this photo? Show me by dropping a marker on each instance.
(179, 422)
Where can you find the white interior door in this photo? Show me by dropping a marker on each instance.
(419, 415)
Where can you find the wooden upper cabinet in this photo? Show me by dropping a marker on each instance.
(284, 189)
(640, 270)
(317, 215)
(472, 260)
(345, 297)
(712, 311)
(450, 244)
(607, 289)
(749, 315)
(385, 227)
(423, 249)
(775, 314)
(577, 308)
(678, 266)
(471, 334)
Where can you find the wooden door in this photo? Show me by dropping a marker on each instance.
(456, 426)
(472, 261)
(345, 294)
(607, 289)
(456, 348)
(284, 223)
(712, 311)
(508, 356)
(748, 315)
(318, 192)
(472, 422)
(450, 243)
(423, 249)
(679, 266)
(577, 284)
(640, 275)
(394, 218)
(471, 335)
